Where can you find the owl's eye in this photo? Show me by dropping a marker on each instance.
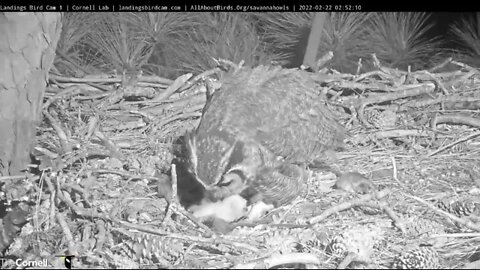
(232, 178)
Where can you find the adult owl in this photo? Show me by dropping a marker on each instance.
(258, 132)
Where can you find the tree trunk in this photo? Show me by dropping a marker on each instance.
(311, 53)
(478, 22)
(27, 49)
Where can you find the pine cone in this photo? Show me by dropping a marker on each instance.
(381, 119)
(150, 249)
(359, 240)
(465, 208)
(459, 206)
(11, 226)
(417, 227)
(423, 257)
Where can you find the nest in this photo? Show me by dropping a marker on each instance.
(105, 142)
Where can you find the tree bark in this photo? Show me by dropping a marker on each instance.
(27, 50)
(311, 53)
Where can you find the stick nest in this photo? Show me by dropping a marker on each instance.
(105, 141)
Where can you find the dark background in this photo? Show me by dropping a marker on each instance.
(443, 21)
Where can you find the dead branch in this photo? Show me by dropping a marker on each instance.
(347, 205)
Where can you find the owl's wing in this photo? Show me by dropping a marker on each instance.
(279, 185)
(277, 109)
(282, 110)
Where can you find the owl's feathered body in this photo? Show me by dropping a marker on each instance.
(259, 115)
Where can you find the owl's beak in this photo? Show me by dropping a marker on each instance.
(233, 182)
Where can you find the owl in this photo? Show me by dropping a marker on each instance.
(258, 132)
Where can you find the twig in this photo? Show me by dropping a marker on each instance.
(177, 104)
(53, 192)
(394, 165)
(177, 84)
(208, 232)
(369, 74)
(72, 250)
(92, 124)
(351, 256)
(125, 174)
(184, 115)
(62, 136)
(184, 255)
(458, 119)
(70, 91)
(225, 62)
(469, 68)
(60, 218)
(101, 235)
(38, 201)
(453, 102)
(277, 260)
(174, 205)
(395, 172)
(91, 97)
(200, 76)
(174, 200)
(444, 63)
(436, 80)
(347, 205)
(147, 118)
(396, 133)
(359, 66)
(376, 62)
(90, 213)
(457, 235)
(12, 178)
(389, 211)
(404, 91)
(80, 190)
(114, 151)
(289, 209)
(213, 240)
(464, 222)
(361, 115)
(466, 138)
(269, 224)
(110, 79)
(323, 60)
(174, 185)
(111, 99)
(101, 87)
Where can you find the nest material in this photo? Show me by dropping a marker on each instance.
(98, 151)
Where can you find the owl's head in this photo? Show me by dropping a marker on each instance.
(225, 172)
